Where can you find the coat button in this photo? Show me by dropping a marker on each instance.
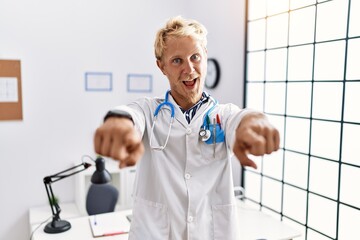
(187, 176)
(188, 131)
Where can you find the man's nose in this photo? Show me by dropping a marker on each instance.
(188, 67)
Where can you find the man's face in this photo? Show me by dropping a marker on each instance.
(184, 62)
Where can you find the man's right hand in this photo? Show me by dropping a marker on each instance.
(118, 139)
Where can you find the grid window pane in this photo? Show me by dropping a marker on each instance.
(254, 98)
(329, 61)
(277, 31)
(350, 148)
(297, 134)
(322, 215)
(274, 98)
(300, 63)
(252, 186)
(309, 61)
(272, 194)
(349, 219)
(352, 99)
(298, 100)
(349, 189)
(324, 177)
(325, 139)
(257, 9)
(273, 165)
(277, 6)
(295, 203)
(278, 122)
(256, 35)
(302, 23)
(353, 60)
(276, 64)
(327, 103)
(354, 29)
(296, 169)
(256, 66)
(330, 27)
(301, 3)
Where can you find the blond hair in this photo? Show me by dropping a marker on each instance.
(179, 27)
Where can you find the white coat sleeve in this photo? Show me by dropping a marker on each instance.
(233, 121)
(137, 115)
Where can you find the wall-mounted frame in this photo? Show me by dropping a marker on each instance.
(98, 81)
(139, 83)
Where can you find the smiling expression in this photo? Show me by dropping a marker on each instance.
(184, 63)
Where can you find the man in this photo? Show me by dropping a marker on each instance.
(184, 187)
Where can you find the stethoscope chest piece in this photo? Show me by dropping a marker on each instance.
(204, 134)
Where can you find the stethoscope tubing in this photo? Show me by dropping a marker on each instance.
(172, 109)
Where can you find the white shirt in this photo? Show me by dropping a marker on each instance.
(183, 192)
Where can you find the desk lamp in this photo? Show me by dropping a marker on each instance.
(100, 176)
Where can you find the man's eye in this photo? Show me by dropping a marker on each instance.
(195, 57)
(176, 60)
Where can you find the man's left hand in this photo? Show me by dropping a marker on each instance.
(257, 136)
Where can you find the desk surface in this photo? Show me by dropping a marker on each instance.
(253, 225)
(80, 229)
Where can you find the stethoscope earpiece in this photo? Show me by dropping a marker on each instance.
(204, 134)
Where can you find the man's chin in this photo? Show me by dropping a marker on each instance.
(194, 96)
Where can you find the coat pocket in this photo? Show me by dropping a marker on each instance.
(150, 221)
(215, 147)
(225, 222)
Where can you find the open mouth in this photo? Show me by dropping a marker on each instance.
(190, 83)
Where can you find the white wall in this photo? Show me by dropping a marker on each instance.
(57, 42)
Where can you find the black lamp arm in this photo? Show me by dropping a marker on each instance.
(58, 176)
(55, 208)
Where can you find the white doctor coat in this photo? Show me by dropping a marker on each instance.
(183, 192)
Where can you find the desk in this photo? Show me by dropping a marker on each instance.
(253, 225)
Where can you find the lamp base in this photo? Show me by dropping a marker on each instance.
(57, 226)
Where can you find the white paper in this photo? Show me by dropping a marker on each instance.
(9, 89)
(109, 224)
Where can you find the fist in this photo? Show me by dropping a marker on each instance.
(118, 139)
(257, 136)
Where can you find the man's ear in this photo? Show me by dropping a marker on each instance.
(160, 65)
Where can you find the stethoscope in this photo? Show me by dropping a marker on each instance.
(204, 133)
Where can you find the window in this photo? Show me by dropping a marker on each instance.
(302, 70)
